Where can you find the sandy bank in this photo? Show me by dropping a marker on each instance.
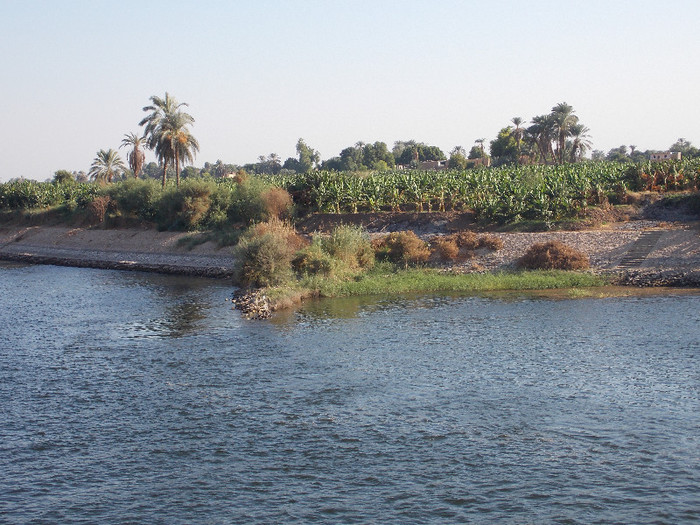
(674, 258)
(133, 249)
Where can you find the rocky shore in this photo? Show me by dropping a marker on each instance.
(672, 278)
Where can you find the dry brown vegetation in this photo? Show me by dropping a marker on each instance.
(554, 255)
(402, 247)
(461, 245)
(492, 242)
(277, 202)
(97, 209)
(445, 249)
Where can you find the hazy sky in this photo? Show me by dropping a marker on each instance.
(259, 74)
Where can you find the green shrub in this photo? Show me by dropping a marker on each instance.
(264, 254)
(185, 208)
(314, 260)
(247, 204)
(137, 197)
(350, 244)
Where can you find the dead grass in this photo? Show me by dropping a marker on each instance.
(554, 255)
(491, 242)
(277, 202)
(97, 209)
(402, 247)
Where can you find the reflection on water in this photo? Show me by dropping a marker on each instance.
(182, 318)
(351, 307)
(138, 398)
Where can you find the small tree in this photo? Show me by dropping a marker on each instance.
(106, 165)
(136, 157)
(62, 176)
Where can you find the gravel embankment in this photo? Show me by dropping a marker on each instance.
(674, 260)
(143, 250)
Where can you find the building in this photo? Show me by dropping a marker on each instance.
(433, 165)
(666, 155)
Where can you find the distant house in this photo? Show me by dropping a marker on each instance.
(478, 163)
(433, 165)
(666, 155)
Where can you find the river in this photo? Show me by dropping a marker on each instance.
(138, 398)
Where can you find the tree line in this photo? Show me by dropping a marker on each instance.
(554, 138)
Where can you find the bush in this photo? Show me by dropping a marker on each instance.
(137, 197)
(184, 208)
(265, 252)
(553, 255)
(491, 242)
(403, 247)
(277, 203)
(466, 239)
(343, 252)
(247, 204)
(445, 248)
(350, 244)
(97, 209)
(314, 260)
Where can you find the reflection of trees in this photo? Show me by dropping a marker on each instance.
(182, 318)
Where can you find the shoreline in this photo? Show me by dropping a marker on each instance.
(133, 249)
(673, 262)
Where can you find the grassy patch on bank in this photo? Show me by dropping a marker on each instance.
(273, 257)
(386, 279)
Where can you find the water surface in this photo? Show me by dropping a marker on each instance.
(139, 398)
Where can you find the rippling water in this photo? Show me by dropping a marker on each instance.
(138, 398)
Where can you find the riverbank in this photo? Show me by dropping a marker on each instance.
(672, 260)
(137, 249)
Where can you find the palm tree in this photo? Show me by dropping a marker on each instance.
(542, 132)
(518, 133)
(167, 133)
(105, 165)
(581, 141)
(136, 156)
(183, 146)
(564, 119)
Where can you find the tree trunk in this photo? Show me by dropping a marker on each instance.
(177, 169)
(165, 170)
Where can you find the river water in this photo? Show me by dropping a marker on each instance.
(140, 398)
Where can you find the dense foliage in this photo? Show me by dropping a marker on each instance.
(195, 204)
(504, 194)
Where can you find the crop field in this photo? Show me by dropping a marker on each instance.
(506, 194)
(496, 195)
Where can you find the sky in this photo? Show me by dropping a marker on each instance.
(260, 74)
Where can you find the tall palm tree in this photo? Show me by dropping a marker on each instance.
(580, 141)
(564, 119)
(167, 133)
(542, 132)
(183, 146)
(105, 165)
(136, 156)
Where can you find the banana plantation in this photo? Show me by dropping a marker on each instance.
(506, 194)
